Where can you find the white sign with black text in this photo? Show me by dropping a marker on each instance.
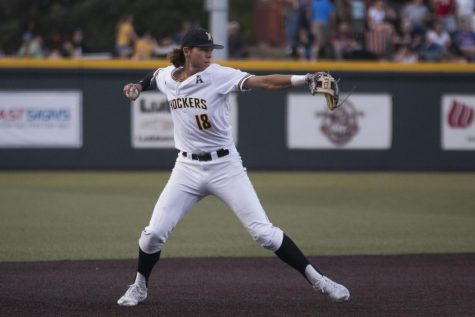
(40, 119)
(363, 121)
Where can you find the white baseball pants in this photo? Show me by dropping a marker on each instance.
(192, 180)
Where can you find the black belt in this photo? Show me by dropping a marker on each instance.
(206, 156)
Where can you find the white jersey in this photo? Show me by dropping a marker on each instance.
(200, 106)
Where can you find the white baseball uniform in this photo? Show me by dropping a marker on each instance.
(208, 162)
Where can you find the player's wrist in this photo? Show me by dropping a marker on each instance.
(298, 80)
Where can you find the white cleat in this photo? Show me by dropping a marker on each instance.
(336, 292)
(134, 295)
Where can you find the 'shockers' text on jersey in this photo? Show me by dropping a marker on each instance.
(180, 103)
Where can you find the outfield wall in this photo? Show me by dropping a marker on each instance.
(71, 114)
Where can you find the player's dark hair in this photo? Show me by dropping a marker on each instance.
(177, 57)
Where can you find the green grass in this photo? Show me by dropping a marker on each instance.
(99, 215)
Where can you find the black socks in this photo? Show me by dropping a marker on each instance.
(291, 254)
(288, 252)
(147, 262)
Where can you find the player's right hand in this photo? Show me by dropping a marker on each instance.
(132, 91)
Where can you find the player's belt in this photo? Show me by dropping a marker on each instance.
(207, 156)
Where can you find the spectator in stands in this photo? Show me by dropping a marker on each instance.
(292, 23)
(358, 17)
(378, 37)
(344, 42)
(323, 21)
(125, 37)
(343, 10)
(31, 46)
(407, 43)
(305, 47)
(391, 14)
(465, 41)
(144, 46)
(464, 12)
(437, 44)
(417, 14)
(237, 47)
(164, 47)
(53, 43)
(66, 50)
(79, 44)
(444, 11)
(378, 17)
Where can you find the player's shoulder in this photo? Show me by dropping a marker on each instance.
(164, 70)
(217, 69)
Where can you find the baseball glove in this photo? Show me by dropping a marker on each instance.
(324, 83)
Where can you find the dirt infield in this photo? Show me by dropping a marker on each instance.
(409, 285)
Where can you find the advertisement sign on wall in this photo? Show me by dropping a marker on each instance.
(363, 121)
(152, 124)
(36, 119)
(458, 126)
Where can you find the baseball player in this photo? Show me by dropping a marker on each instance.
(208, 162)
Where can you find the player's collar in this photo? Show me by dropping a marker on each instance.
(176, 74)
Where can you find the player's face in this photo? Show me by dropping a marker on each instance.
(200, 57)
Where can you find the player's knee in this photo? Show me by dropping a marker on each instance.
(151, 242)
(267, 236)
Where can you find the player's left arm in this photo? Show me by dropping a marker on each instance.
(268, 82)
(317, 82)
(274, 82)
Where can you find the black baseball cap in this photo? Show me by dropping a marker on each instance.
(199, 37)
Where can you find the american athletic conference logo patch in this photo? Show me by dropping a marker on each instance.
(341, 125)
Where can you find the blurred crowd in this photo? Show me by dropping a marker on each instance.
(142, 45)
(403, 31)
(58, 45)
(129, 43)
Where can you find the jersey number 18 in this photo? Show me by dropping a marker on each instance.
(202, 121)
